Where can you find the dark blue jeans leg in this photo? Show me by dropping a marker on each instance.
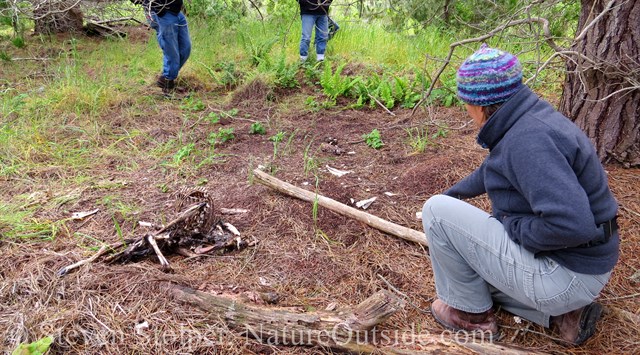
(322, 35)
(184, 40)
(167, 34)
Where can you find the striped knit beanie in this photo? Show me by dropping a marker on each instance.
(489, 76)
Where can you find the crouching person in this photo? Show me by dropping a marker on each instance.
(549, 245)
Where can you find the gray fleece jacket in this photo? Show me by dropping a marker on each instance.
(546, 184)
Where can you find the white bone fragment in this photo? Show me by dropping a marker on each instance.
(81, 215)
(364, 204)
(337, 172)
(233, 210)
(231, 228)
(141, 327)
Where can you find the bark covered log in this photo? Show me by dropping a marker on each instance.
(348, 330)
(601, 93)
(371, 220)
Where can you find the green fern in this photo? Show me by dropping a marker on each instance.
(334, 84)
(258, 50)
(386, 95)
(286, 74)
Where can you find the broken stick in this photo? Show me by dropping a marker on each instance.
(349, 329)
(103, 250)
(371, 220)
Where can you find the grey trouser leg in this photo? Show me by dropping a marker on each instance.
(476, 264)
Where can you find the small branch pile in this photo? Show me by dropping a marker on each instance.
(195, 231)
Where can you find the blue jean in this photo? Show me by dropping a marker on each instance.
(173, 37)
(321, 24)
(475, 265)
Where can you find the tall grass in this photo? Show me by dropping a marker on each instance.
(370, 43)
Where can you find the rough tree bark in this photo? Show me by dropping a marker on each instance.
(602, 89)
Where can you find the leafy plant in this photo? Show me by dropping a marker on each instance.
(193, 104)
(213, 117)
(446, 95)
(364, 90)
(163, 188)
(386, 94)
(312, 104)
(258, 49)
(286, 74)
(406, 92)
(334, 84)
(373, 139)
(232, 113)
(223, 135)
(257, 128)
(38, 347)
(183, 153)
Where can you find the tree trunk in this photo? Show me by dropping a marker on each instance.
(57, 16)
(601, 92)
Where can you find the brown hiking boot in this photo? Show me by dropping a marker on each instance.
(454, 319)
(165, 84)
(577, 326)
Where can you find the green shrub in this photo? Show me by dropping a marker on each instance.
(257, 128)
(373, 139)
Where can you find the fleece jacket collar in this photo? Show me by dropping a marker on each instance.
(501, 121)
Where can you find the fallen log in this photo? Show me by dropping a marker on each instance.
(348, 330)
(369, 219)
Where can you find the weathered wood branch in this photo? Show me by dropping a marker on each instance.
(287, 327)
(371, 220)
(347, 330)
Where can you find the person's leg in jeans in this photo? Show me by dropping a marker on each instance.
(322, 34)
(308, 22)
(168, 41)
(184, 41)
(475, 263)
